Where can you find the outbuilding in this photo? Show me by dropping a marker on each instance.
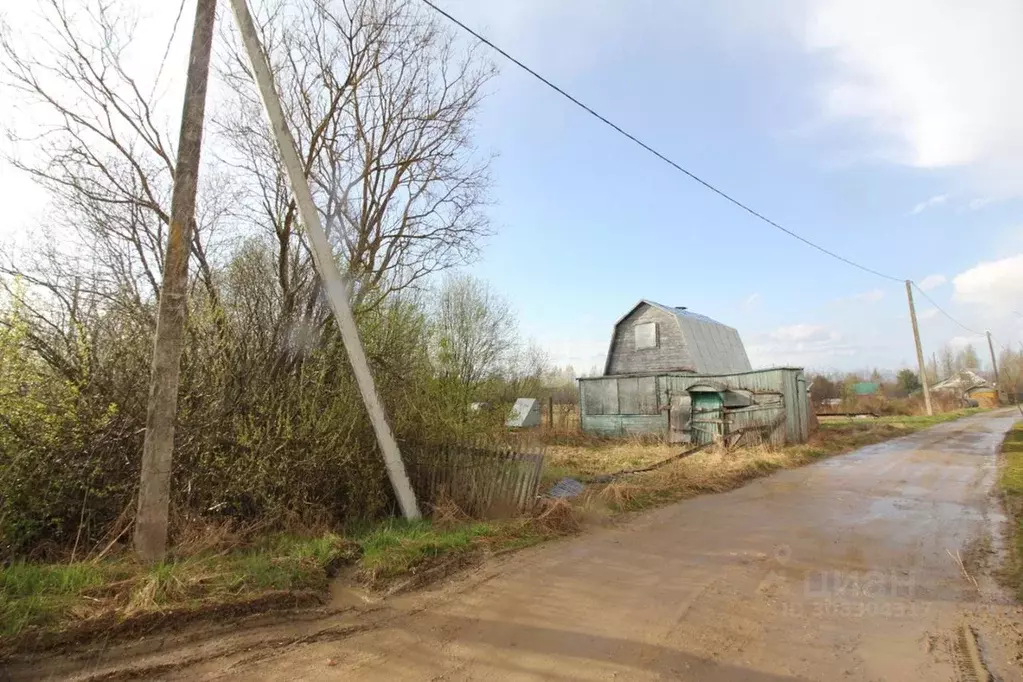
(684, 376)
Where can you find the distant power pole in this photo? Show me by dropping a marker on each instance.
(323, 259)
(934, 361)
(919, 348)
(158, 447)
(994, 366)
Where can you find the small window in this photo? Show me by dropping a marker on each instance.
(637, 395)
(646, 335)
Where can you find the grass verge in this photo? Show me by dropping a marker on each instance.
(82, 599)
(42, 597)
(1011, 483)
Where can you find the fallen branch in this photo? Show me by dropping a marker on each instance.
(607, 478)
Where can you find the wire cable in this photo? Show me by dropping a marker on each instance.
(721, 193)
(166, 52)
(650, 149)
(944, 312)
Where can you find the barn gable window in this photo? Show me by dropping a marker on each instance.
(646, 335)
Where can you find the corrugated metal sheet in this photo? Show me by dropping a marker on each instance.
(706, 346)
(714, 347)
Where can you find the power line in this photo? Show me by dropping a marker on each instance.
(944, 312)
(721, 193)
(650, 149)
(163, 61)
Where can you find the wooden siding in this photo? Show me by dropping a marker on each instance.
(670, 355)
(778, 392)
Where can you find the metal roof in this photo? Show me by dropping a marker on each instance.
(964, 380)
(865, 388)
(714, 348)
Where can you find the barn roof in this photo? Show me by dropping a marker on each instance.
(714, 348)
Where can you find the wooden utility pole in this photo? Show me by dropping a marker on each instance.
(158, 447)
(919, 348)
(323, 259)
(994, 366)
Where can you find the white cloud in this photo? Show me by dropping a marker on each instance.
(994, 284)
(932, 282)
(800, 344)
(977, 204)
(930, 203)
(928, 314)
(934, 80)
(752, 301)
(963, 341)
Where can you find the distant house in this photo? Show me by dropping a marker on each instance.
(657, 338)
(967, 385)
(865, 388)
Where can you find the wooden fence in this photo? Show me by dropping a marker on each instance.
(485, 481)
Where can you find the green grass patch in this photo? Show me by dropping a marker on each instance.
(1011, 484)
(397, 547)
(50, 596)
(33, 594)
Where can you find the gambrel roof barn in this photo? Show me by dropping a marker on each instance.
(657, 338)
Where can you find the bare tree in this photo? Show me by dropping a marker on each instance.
(382, 106)
(102, 151)
(476, 332)
(947, 361)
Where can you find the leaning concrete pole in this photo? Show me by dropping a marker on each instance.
(994, 366)
(158, 446)
(323, 258)
(919, 348)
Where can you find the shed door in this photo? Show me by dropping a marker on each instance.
(708, 416)
(681, 414)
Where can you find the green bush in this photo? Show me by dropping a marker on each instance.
(268, 430)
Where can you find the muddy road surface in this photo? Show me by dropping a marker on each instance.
(870, 566)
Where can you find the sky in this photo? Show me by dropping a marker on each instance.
(889, 132)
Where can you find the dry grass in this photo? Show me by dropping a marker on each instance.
(716, 469)
(710, 471)
(552, 518)
(607, 456)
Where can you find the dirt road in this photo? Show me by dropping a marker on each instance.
(844, 570)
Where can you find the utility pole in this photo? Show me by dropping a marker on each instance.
(323, 259)
(919, 348)
(158, 447)
(994, 366)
